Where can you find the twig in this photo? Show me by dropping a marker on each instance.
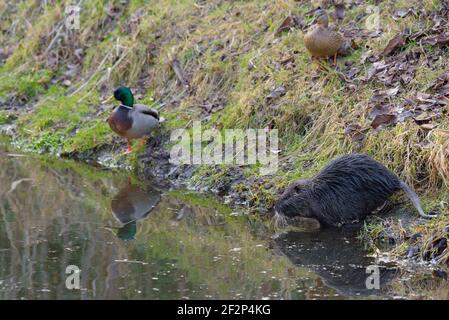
(176, 66)
(92, 76)
(54, 38)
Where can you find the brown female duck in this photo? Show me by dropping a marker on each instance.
(321, 41)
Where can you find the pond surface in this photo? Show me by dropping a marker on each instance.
(132, 240)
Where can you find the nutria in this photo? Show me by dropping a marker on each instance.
(344, 192)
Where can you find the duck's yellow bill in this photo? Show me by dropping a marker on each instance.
(108, 100)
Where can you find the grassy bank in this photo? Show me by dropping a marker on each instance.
(233, 56)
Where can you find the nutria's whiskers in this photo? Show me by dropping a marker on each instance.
(279, 221)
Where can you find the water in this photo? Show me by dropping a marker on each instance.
(134, 241)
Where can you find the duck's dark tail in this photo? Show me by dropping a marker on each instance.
(415, 200)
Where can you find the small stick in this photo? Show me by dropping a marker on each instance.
(176, 66)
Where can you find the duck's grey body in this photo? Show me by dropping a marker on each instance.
(145, 119)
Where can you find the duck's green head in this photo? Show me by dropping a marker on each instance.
(124, 95)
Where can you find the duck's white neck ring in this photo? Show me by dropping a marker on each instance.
(127, 107)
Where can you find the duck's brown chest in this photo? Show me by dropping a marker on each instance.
(120, 121)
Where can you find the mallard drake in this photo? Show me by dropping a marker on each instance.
(321, 41)
(132, 121)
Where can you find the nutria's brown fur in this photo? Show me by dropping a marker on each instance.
(344, 192)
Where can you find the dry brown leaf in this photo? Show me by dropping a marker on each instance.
(288, 23)
(355, 132)
(380, 109)
(395, 43)
(424, 118)
(440, 39)
(383, 119)
(276, 93)
(428, 126)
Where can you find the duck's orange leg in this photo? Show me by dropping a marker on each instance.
(335, 59)
(144, 141)
(130, 147)
(319, 64)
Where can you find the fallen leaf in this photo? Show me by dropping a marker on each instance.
(404, 115)
(392, 92)
(384, 95)
(378, 98)
(428, 126)
(288, 23)
(383, 119)
(352, 73)
(366, 56)
(16, 183)
(355, 132)
(441, 39)
(402, 13)
(376, 68)
(425, 97)
(276, 93)
(423, 118)
(380, 109)
(288, 59)
(395, 43)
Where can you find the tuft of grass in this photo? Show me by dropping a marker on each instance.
(25, 86)
(6, 117)
(89, 137)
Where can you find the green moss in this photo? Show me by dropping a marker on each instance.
(65, 123)
(45, 143)
(207, 175)
(93, 135)
(196, 199)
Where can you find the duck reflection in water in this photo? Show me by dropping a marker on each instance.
(131, 204)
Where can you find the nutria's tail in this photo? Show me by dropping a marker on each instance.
(415, 200)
